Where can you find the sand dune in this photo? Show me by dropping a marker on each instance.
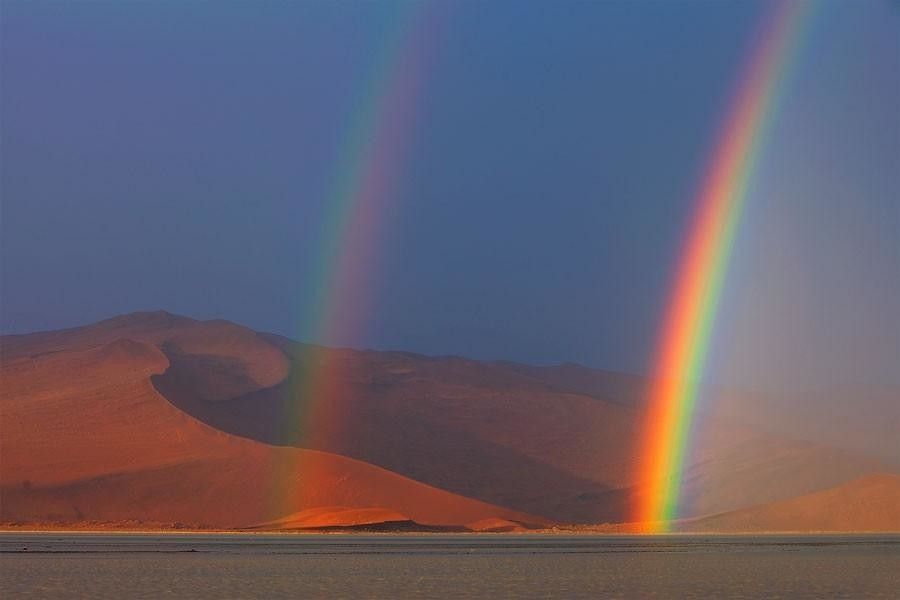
(871, 503)
(496, 525)
(164, 419)
(151, 327)
(86, 437)
(335, 516)
(566, 456)
(478, 430)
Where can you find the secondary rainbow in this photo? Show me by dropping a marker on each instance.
(370, 168)
(691, 310)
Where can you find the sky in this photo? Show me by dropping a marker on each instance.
(181, 156)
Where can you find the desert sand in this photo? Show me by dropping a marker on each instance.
(152, 418)
(868, 504)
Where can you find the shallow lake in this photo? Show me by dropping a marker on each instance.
(105, 565)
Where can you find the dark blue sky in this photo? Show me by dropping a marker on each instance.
(177, 155)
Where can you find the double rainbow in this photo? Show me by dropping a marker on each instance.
(374, 152)
(684, 342)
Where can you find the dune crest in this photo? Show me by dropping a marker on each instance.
(87, 438)
(153, 417)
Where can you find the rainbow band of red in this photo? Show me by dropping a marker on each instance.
(373, 160)
(688, 321)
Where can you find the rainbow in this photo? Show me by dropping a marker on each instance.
(688, 321)
(371, 164)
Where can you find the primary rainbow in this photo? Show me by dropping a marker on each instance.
(691, 311)
(368, 175)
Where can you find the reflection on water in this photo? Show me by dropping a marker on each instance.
(452, 566)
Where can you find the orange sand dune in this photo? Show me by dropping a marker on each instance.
(156, 417)
(495, 525)
(153, 327)
(86, 437)
(335, 516)
(563, 455)
(871, 503)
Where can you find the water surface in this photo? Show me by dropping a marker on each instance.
(49, 565)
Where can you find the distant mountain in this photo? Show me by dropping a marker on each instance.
(158, 419)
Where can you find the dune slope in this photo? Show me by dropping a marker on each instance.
(564, 455)
(871, 503)
(86, 437)
(162, 418)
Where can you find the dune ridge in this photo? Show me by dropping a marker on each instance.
(86, 437)
(157, 418)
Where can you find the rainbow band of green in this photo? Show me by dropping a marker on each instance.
(691, 313)
(371, 162)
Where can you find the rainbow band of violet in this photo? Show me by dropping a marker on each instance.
(688, 321)
(371, 163)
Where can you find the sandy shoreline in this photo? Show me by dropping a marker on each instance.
(6, 529)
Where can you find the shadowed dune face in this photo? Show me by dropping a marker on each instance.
(505, 434)
(157, 418)
(503, 442)
(86, 437)
(625, 389)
